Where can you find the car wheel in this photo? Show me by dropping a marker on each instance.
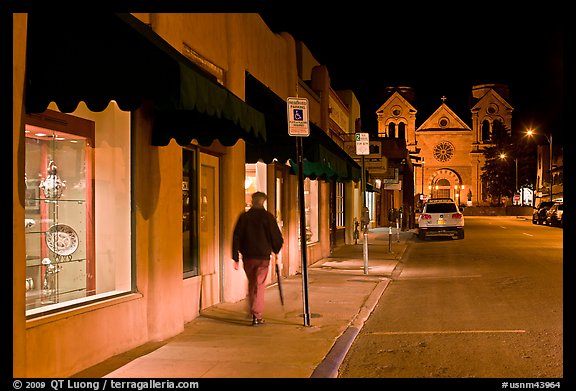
(422, 235)
(461, 234)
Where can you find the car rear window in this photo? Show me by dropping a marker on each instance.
(440, 208)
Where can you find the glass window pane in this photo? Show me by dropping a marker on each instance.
(77, 222)
(189, 213)
(311, 209)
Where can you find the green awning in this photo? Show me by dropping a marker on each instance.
(323, 158)
(321, 163)
(99, 57)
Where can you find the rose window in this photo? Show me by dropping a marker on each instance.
(443, 151)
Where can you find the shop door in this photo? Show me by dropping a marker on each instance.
(280, 214)
(209, 239)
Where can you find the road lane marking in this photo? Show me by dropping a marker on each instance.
(524, 233)
(436, 277)
(445, 332)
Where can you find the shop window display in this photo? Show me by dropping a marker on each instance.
(311, 209)
(340, 222)
(76, 178)
(255, 180)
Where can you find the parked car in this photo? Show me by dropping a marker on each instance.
(440, 217)
(539, 214)
(554, 214)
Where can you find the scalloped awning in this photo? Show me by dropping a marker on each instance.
(96, 58)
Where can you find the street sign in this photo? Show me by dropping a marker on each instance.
(298, 124)
(362, 144)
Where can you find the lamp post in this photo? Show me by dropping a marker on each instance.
(530, 132)
(503, 157)
(457, 189)
(516, 161)
(550, 158)
(422, 179)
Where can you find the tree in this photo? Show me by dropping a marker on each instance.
(499, 170)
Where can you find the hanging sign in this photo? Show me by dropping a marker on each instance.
(298, 124)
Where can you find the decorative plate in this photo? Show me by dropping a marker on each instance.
(62, 239)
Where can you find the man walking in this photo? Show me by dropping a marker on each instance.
(256, 236)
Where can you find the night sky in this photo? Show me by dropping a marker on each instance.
(438, 53)
(439, 49)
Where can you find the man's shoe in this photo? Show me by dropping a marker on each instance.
(256, 322)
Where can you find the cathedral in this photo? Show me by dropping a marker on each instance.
(449, 150)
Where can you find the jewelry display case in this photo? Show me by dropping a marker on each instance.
(58, 210)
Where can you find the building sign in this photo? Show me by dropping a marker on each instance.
(298, 124)
(391, 176)
(392, 186)
(338, 115)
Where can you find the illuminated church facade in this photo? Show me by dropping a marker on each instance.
(447, 151)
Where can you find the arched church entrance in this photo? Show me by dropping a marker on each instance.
(446, 183)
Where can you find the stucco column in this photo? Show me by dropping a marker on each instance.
(158, 191)
(18, 241)
(233, 170)
(321, 84)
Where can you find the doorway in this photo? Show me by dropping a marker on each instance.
(209, 233)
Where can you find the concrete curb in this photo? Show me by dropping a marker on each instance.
(328, 368)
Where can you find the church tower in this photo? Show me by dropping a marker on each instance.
(397, 116)
(490, 106)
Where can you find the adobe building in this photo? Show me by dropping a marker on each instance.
(137, 142)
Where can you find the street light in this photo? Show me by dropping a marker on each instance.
(503, 156)
(531, 132)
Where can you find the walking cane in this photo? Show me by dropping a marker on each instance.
(277, 263)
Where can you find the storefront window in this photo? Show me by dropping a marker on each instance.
(77, 204)
(255, 180)
(339, 205)
(370, 204)
(311, 208)
(189, 212)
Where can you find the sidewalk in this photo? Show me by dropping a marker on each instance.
(221, 343)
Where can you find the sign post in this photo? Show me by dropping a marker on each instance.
(363, 148)
(299, 127)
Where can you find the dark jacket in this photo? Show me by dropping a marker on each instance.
(256, 235)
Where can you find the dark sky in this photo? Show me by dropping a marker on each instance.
(438, 53)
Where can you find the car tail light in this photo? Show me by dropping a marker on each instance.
(457, 215)
(426, 216)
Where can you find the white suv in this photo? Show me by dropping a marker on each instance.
(440, 217)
